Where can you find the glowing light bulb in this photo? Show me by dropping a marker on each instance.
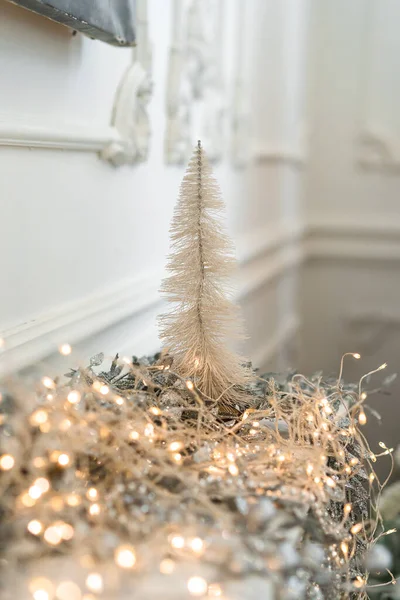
(371, 477)
(73, 500)
(330, 482)
(125, 557)
(197, 545)
(167, 566)
(155, 411)
(347, 508)
(104, 389)
(94, 582)
(68, 590)
(214, 590)
(63, 460)
(309, 469)
(356, 355)
(189, 385)
(43, 484)
(197, 586)
(74, 396)
(120, 401)
(38, 417)
(362, 418)
(344, 548)
(363, 396)
(233, 470)
(177, 457)
(7, 462)
(48, 383)
(356, 528)
(382, 366)
(149, 430)
(35, 492)
(177, 541)
(52, 535)
(92, 494)
(134, 435)
(94, 509)
(175, 446)
(35, 527)
(65, 349)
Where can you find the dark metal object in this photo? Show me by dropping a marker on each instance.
(112, 21)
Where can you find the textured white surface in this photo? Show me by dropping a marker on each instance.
(74, 229)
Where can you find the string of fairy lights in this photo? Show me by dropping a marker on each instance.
(153, 463)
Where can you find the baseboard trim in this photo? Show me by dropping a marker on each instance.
(77, 321)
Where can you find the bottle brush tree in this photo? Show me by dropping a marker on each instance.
(203, 322)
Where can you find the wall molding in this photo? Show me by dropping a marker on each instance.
(30, 133)
(272, 253)
(125, 141)
(195, 73)
(78, 320)
(358, 240)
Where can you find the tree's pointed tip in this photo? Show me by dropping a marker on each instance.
(199, 144)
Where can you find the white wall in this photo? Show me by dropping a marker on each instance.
(83, 244)
(351, 284)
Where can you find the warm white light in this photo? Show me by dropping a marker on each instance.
(177, 457)
(63, 460)
(189, 385)
(197, 586)
(41, 595)
(52, 535)
(48, 382)
(356, 528)
(155, 411)
(94, 582)
(73, 500)
(7, 462)
(94, 509)
(68, 590)
(120, 401)
(233, 470)
(92, 494)
(309, 469)
(177, 542)
(356, 355)
(65, 530)
(362, 418)
(74, 396)
(34, 492)
(167, 566)
(197, 545)
(344, 548)
(65, 349)
(214, 590)
(347, 508)
(38, 417)
(330, 482)
(363, 395)
(134, 435)
(43, 484)
(175, 446)
(382, 367)
(35, 527)
(104, 389)
(125, 557)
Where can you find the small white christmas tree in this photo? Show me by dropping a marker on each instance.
(203, 322)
